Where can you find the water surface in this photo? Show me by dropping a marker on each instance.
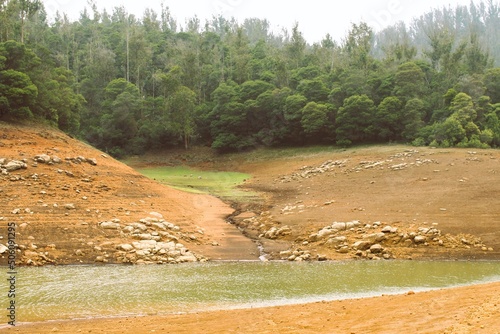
(70, 292)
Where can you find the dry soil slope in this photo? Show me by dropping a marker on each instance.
(61, 204)
(455, 190)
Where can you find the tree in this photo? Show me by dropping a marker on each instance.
(389, 118)
(8, 11)
(18, 94)
(119, 124)
(181, 106)
(240, 56)
(410, 81)
(357, 46)
(462, 109)
(413, 114)
(314, 90)
(293, 106)
(450, 132)
(355, 120)
(27, 8)
(228, 120)
(250, 90)
(492, 83)
(58, 102)
(296, 47)
(314, 121)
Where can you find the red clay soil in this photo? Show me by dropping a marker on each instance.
(37, 198)
(456, 191)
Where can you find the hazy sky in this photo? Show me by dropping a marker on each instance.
(316, 18)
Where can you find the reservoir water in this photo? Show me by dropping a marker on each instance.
(72, 292)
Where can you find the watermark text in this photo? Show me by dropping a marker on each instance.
(11, 274)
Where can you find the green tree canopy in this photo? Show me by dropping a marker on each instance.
(355, 120)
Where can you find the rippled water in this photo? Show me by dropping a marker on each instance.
(70, 292)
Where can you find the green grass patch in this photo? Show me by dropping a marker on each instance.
(220, 184)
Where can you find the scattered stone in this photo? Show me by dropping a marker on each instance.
(336, 241)
(377, 248)
(69, 206)
(339, 226)
(420, 239)
(156, 215)
(14, 165)
(79, 252)
(125, 247)
(322, 258)
(275, 232)
(375, 237)
(42, 158)
(109, 225)
(361, 245)
(343, 250)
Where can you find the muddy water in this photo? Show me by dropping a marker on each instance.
(71, 292)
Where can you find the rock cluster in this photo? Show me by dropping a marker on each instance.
(394, 162)
(377, 240)
(149, 240)
(152, 251)
(7, 166)
(402, 160)
(307, 172)
(297, 255)
(157, 241)
(276, 232)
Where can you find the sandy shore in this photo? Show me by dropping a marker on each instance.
(473, 309)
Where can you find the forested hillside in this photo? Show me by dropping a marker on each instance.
(127, 84)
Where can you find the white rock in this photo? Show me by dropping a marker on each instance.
(125, 247)
(420, 239)
(335, 241)
(361, 245)
(15, 165)
(159, 225)
(144, 244)
(165, 245)
(339, 226)
(109, 225)
(187, 258)
(139, 226)
(387, 229)
(156, 215)
(377, 248)
(143, 236)
(42, 158)
(375, 237)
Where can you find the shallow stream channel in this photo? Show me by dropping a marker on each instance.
(74, 292)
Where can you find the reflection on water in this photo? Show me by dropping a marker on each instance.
(101, 291)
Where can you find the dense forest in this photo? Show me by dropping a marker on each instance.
(127, 84)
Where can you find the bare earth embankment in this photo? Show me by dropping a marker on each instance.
(74, 204)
